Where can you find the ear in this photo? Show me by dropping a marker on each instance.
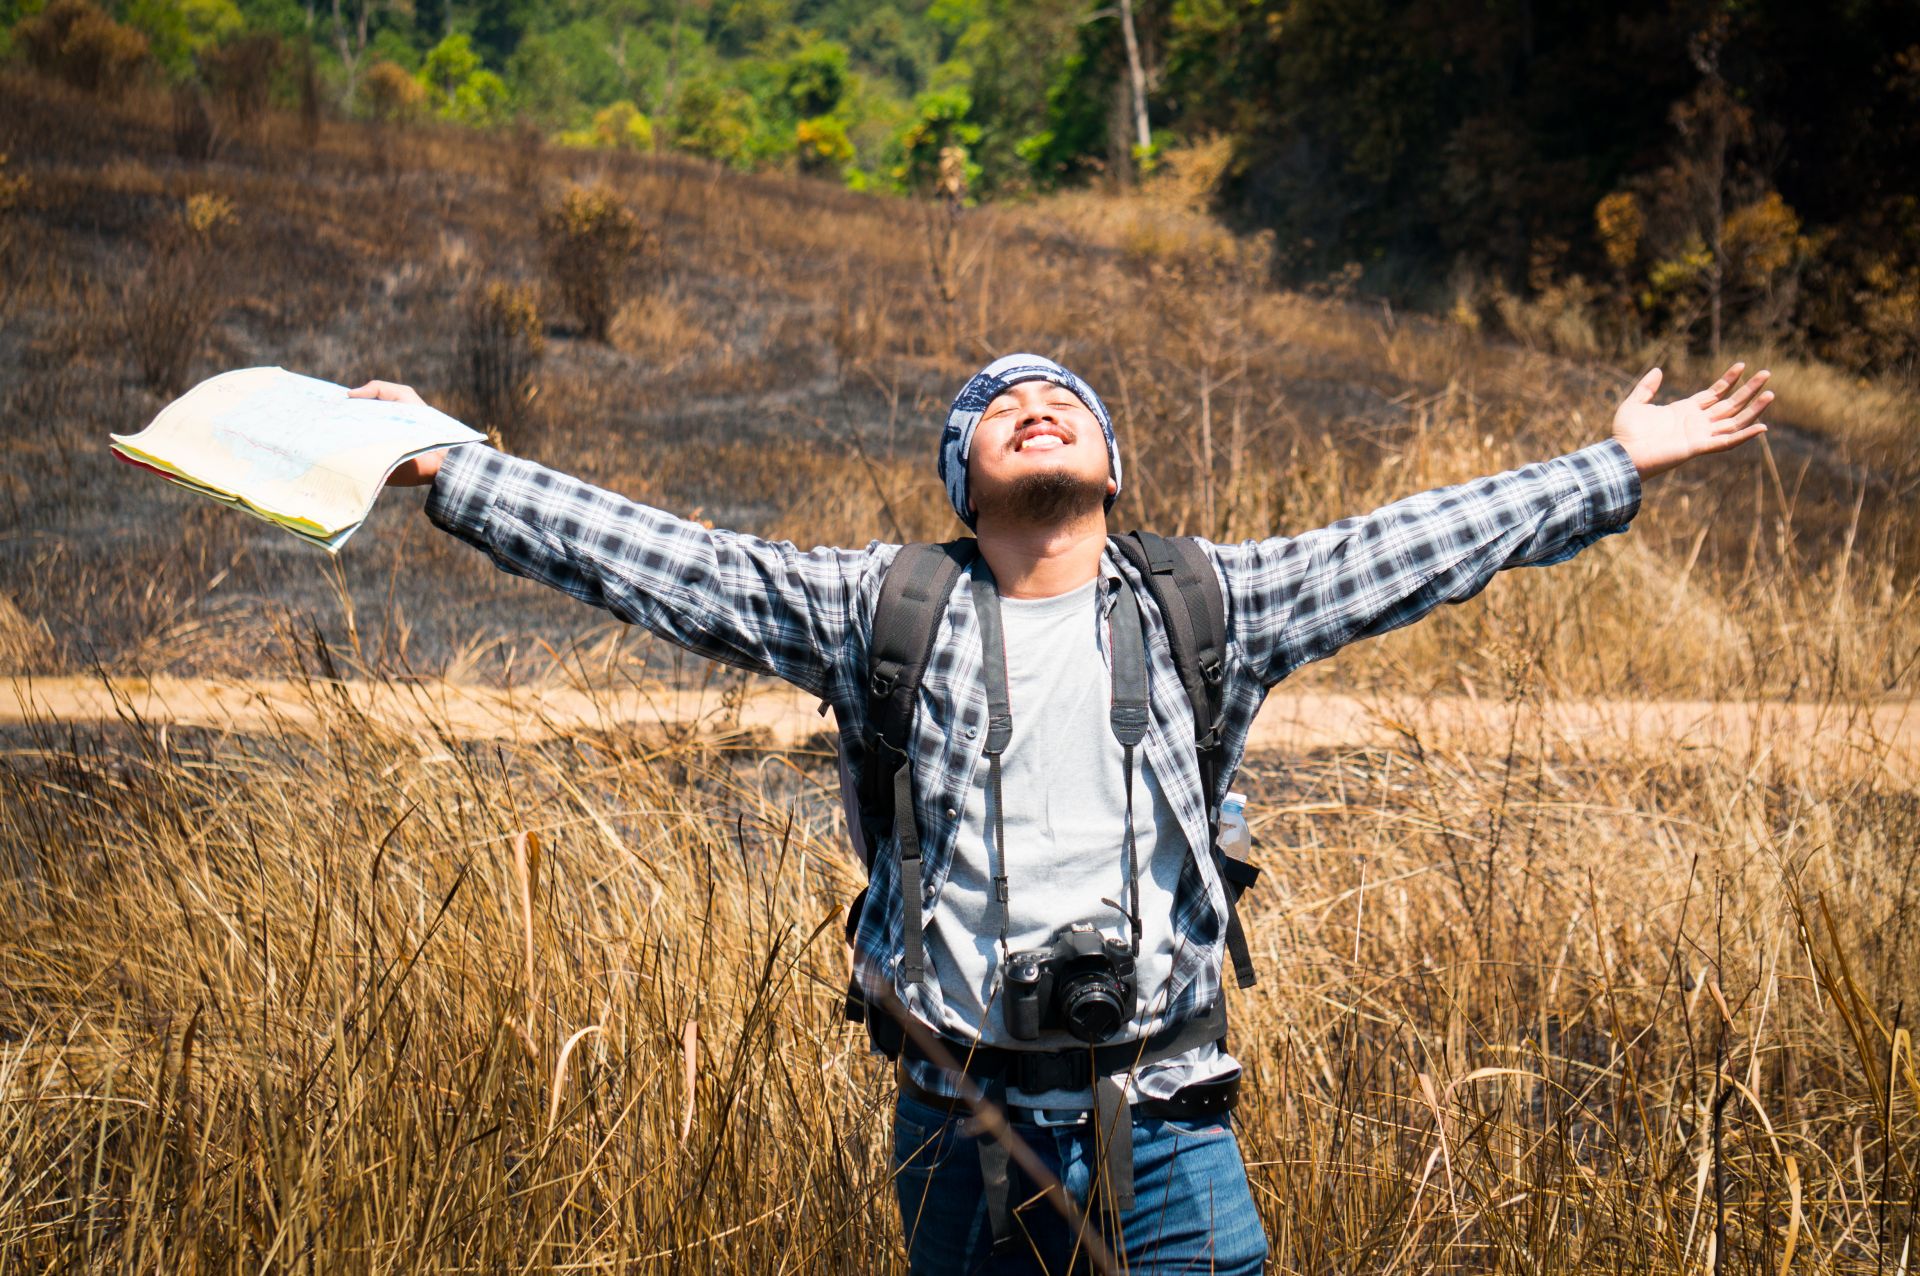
(1113, 488)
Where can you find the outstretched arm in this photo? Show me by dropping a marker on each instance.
(755, 604)
(1297, 599)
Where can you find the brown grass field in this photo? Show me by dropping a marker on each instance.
(338, 987)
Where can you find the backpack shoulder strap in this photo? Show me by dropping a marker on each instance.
(906, 616)
(1184, 587)
(1181, 579)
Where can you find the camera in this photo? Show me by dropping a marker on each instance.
(1081, 982)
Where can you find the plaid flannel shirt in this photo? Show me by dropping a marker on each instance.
(806, 617)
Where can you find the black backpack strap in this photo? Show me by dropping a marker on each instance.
(913, 599)
(1184, 587)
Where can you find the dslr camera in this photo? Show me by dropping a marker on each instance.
(1082, 982)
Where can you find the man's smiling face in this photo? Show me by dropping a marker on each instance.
(1038, 454)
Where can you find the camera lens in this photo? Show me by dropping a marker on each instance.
(1091, 1007)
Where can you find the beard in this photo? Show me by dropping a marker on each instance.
(1046, 500)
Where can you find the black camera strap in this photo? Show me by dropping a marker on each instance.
(1128, 714)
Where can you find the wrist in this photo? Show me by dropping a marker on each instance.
(417, 471)
(1647, 461)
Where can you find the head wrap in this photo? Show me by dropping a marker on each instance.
(988, 384)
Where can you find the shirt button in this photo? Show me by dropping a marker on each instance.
(951, 813)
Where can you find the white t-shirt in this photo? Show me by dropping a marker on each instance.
(1063, 780)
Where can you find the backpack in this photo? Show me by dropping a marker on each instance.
(914, 596)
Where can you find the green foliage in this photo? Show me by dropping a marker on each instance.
(815, 79)
(1073, 144)
(449, 64)
(481, 100)
(539, 78)
(1009, 82)
(178, 29)
(888, 45)
(940, 126)
(822, 145)
(745, 25)
(393, 45)
(617, 127)
(717, 120)
(460, 87)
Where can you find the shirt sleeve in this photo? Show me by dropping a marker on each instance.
(1297, 599)
(759, 605)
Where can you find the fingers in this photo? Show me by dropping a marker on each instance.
(1722, 442)
(1746, 415)
(1648, 387)
(391, 392)
(1743, 396)
(1711, 395)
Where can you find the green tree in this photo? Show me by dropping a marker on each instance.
(940, 125)
(178, 29)
(460, 87)
(822, 146)
(717, 120)
(540, 81)
(447, 66)
(888, 45)
(815, 79)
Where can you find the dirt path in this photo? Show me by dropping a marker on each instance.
(1887, 736)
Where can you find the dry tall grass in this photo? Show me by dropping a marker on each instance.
(386, 1000)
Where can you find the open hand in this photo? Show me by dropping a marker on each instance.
(1659, 437)
(416, 471)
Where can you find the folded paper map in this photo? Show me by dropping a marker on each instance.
(293, 450)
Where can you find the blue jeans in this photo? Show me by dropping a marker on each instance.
(1192, 1213)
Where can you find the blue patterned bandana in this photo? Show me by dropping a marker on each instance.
(988, 384)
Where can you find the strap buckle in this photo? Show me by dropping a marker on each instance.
(1055, 1118)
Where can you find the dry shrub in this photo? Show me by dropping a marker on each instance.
(307, 82)
(501, 345)
(25, 644)
(76, 42)
(660, 328)
(595, 246)
(1558, 318)
(390, 94)
(196, 136)
(1190, 175)
(240, 72)
(525, 157)
(167, 308)
(14, 188)
(1166, 220)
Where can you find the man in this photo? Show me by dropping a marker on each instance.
(1023, 834)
